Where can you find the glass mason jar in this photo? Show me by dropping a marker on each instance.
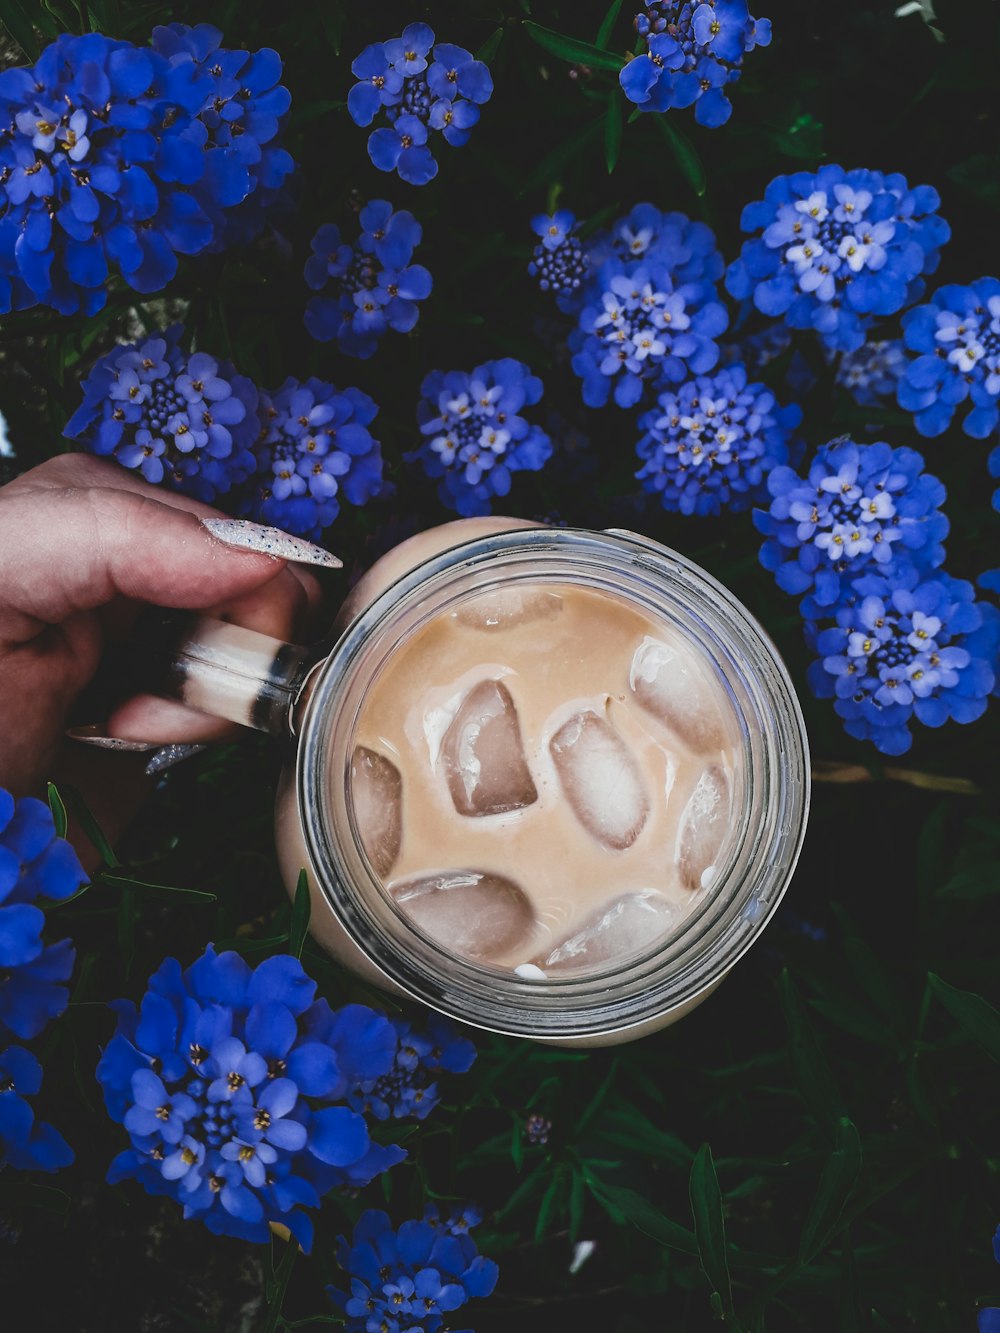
(313, 700)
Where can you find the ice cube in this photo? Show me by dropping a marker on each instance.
(703, 826)
(377, 792)
(504, 608)
(477, 914)
(601, 779)
(632, 923)
(668, 683)
(483, 758)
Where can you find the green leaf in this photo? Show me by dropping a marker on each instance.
(517, 1144)
(812, 1072)
(490, 47)
(613, 125)
(80, 811)
(685, 154)
(836, 1185)
(607, 24)
(709, 1226)
(127, 883)
(571, 49)
(31, 1194)
(58, 808)
(550, 1199)
(627, 1205)
(560, 156)
(301, 909)
(21, 29)
(975, 1016)
(982, 881)
(577, 1187)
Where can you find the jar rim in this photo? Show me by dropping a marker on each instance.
(714, 934)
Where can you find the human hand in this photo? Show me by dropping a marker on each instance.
(83, 545)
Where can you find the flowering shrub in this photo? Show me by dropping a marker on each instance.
(188, 421)
(477, 438)
(836, 247)
(417, 1275)
(409, 1087)
(376, 286)
(906, 647)
(109, 164)
(861, 508)
(956, 339)
(710, 444)
(693, 52)
(418, 87)
(314, 446)
(232, 1083)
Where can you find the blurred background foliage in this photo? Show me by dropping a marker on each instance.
(845, 1076)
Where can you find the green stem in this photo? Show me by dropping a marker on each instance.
(278, 1288)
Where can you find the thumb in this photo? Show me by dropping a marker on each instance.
(69, 550)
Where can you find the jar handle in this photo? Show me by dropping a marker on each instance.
(217, 668)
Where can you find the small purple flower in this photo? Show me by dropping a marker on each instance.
(418, 87)
(186, 421)
(475, 436)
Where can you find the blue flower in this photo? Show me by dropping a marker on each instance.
(688, 249)
(836, 247)
(711, 443)
(476, 437)
(409, 1088)
(956, 338)
(232, 1084)
(412, 1278)
(418, 87)
(639, 326)
(97, 172)
(34, 864)
(26, 1144)
(693, 52)
(242, 109)
(188, 421)
(871, 373)
(315, 447)
(905, 647)
(376, 287)
(860, 509)
(558, 261)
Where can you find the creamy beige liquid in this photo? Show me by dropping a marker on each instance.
(545, 778)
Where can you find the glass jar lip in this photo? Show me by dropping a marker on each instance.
(702, 949)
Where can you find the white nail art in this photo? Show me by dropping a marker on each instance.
(269, 541)
(94, 735)
(168, 755)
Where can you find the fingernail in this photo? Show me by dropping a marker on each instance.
(270, 541)
(94, 734)
(168, 755)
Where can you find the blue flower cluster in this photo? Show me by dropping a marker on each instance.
(989, 1317)
(476, 437)
(871, 373)
(375, 286)
(35, 864)
(710, 443)
(242, 111)
(956, 341)
(694, 51)
(26, 1144)
(836, 247)
(232, 1084)
(196, 425)
(410, 1280)
(558, 261)
(110, 161)
(860, 509)
(188, 420)
(910, 646)
(409, 1088)
(314, 448)
(419, 86)
(648, 310)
